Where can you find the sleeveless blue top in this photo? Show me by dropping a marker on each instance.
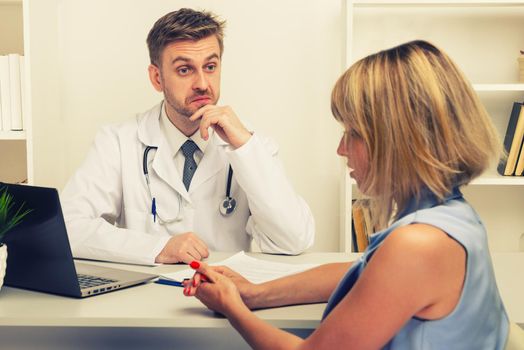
(479, 320)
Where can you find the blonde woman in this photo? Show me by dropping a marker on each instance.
(414, 133)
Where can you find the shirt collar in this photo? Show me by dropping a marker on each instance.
(175, 138)
(428, 200)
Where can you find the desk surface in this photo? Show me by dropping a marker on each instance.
(155, 305)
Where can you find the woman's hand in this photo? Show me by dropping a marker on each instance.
(213, 289)
(248, 291)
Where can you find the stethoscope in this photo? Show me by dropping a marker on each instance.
(226, 207)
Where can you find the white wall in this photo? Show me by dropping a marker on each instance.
(281, 60)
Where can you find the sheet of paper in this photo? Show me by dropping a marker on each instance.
(254, 270)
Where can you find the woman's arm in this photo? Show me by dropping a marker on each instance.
(311, 286)
(220, 294)
(418, 271)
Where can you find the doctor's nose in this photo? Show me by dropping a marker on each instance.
(200, 82)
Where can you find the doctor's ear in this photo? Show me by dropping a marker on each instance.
(154, 77)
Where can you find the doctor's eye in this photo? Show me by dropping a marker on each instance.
(183, 70)
(211, 67)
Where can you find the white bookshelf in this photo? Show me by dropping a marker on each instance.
(484, 39)
(15, 146)
(12, 135)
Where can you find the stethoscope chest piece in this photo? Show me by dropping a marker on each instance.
(228, 205)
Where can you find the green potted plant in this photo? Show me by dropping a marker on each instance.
(9, 218)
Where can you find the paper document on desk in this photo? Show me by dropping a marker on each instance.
(254, 270)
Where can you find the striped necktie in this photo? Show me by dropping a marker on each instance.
(188, 149)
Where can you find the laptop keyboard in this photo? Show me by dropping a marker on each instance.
(87, 281)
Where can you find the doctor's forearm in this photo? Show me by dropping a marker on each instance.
(281, 221)
(283, 229)
(291, 234)
(95, 238)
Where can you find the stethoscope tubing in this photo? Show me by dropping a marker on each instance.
(144, 161)
(224, 210)
(229, 180)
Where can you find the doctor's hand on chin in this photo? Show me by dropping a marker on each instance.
(184, 247)
(225, 123)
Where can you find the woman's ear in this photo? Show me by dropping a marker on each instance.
(154, 77)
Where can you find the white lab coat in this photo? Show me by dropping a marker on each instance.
(107, 204)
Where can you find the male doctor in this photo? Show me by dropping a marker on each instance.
(186, 176)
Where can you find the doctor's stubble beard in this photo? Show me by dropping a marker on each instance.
(183, 109)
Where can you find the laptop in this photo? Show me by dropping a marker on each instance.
(39, 255)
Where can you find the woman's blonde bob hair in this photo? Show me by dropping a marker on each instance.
(423, 126)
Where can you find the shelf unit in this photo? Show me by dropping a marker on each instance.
(484, 38)
(15, 146)
(13, 135)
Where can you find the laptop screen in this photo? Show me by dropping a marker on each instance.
(39, 256)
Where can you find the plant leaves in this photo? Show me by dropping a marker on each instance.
(8, 220)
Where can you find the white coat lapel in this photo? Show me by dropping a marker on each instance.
(213, 161)
(163, 166)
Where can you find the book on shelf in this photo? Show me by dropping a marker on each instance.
(354, 247)
(519, 169)
(22, 92)
(361, 224)
(15, 91)
(5, 95)
(360, 228)
(513, 140)
(11, 92)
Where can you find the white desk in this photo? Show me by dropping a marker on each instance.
(159, 316)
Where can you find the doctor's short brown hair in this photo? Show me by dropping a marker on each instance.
(183, 24)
